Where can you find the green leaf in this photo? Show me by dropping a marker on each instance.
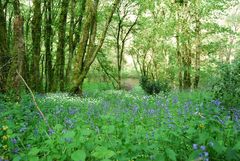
(171, 154)
(103, 153)
(194, 155)
(79, 155)
(58, 127)
(34, 151)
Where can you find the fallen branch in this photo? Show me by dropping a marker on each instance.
(34, 100)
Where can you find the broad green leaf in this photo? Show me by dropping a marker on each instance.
(58, 127)
(78, 155)
(103, 153)
(34, 151)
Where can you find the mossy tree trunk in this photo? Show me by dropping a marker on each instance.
(48, 35)
(60, 61)
(88, 49)
(18, 63)
(198, 49)
(36, 81)
(74, 36)
(4, 55)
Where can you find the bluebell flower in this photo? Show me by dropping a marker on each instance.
(29, 145)
(72, 111)
(216, 102)
(195, 146)
(206, 154)
(14, 140)
(203, 148)
(51, 131)
(151, 111)
(175, 100)
(23, 129)
(135, 109)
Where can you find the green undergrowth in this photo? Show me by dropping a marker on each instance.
(117, 125)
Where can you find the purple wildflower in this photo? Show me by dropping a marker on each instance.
(203, 148)
(72, 111)
(23, 129)
(51, 131)
(14, 140)
(195, 146)
(216, 102)
(206, 154)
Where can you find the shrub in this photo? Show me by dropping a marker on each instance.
(153, 86)
(227, 85)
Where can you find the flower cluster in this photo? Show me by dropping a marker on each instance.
(204, 155)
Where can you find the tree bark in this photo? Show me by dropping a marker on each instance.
(4, 55)
(87, 49)
(60, 61)
(187, 67)
(48, 46)
(121, 39)
(36, 82)
(179, 56)
(197, 54)
(18, 63)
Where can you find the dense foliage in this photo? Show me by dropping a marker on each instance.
(227, 86)
(119, 126)
(119, 80)
(154, 86)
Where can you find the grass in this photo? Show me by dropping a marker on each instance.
(116, 125)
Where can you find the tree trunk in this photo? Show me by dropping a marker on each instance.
(179, 56)
(197, 55)
(87, 51)
(187, 67)
(60, 61)
(18, 63)
(4, 56)
(36, 82)
(48, 45)
(71, 40)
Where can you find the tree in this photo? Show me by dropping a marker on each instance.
(4, 55)
(74, 34)
(18, 63)
(48, 35)
(60, 60)
(36, 81)
(88, 49)
(122, 33)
